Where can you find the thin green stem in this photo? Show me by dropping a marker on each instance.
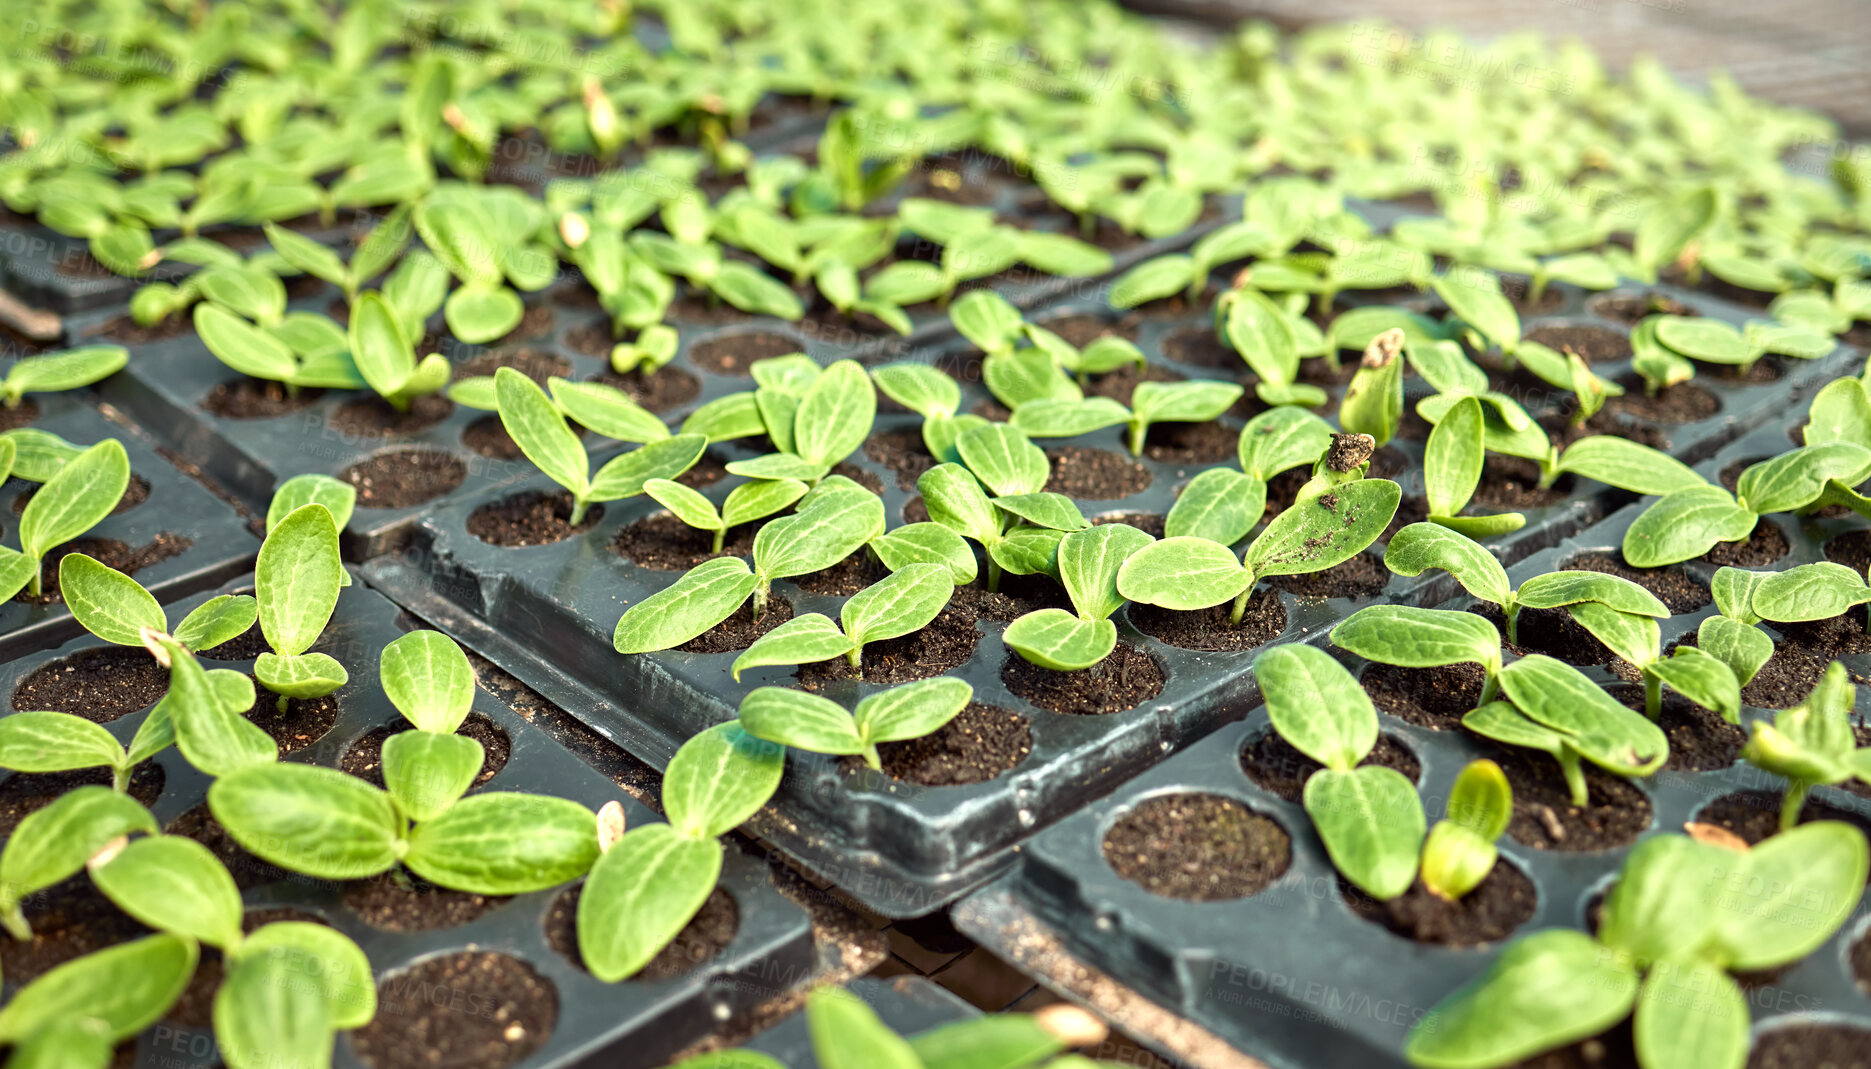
(1794, 802)
(579, 505)
(993, 575)
(120, 778)
(1575, 778)
(1490, 687)
(1511, 611)
(1137, 430)
(1240, 604)
(760, 600)
(33, 587)
(1653, 695)
(856, 657)
(281, 703)
(721, 536)
(14, 919)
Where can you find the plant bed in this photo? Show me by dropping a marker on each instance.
(515, 995)
(177, 536)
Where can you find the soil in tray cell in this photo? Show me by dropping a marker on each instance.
(1198, 847)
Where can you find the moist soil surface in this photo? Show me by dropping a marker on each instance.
(498, 1011)
(734, 353)
(707, 935)
(1682, 403)
(372, 417)
(1200, 347)
(663, 542)
(1017, 596)
(1767, 544)
(1833, 637)
(1812, 1046)
(903, 453)
(979, 744)
(1363, 576)
(1198, 847)
(98, 684)
(122, 556)
(24, 414)
(24, 793)
(364, 758)
(667, 388)
(401, 901)
(305, 721)
(246, 646)
(1700, 740)
(1755, 815)
(1209, 629)
(248, 871)
(1615, 814)
(1786, 679)
(740, 630)
(125, 330)
(1124, 680)
(1435, 698)
(1191, 443)
(404, 478)
(1095, 474)
(1273, 764)
(1550, 631)
(69, 920)
(249, 398)
(1674, 587)
(1121, 384)
(1503, 901)
(1513, 483)
(938, 648)
(1596, 344)
(530, 518)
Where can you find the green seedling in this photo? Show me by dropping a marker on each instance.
(1688, 522)
(1695, 674)
(76, 1014)
(1367, 815)
(296, 581)
(57, 372)
(935, 397)
(833, 520)
(1730, 636)
(1166, 276)
(488, 238)
(1715, 342)
(1806, 592)
(1664, 952)
(1151, 403)
(1104, 355)
(316, 354)
(1223, 505)
(381, 248)
(53, 843)
(1459, 851)
(1089, 564)
(1318, 532)
(428, 678)
(815, 418)
(1811, 744)
(648, 882)
(1271, 340)
(634, 292)
(899, 604)
(1552, 706)
(537, 426)
(1020, 526)
(385, 355)
(1452, 464)
(1373, 402)
(1410, 637)
(117, 609)
(973, 246)
(73, 499)
(1419, 547)
(596, 406)
(818, 725)
(746, 503)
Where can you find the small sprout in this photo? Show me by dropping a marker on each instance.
(1552, 706)
(117, 609)
(654, 348)
(1089, 563)
(1811, 744)
(296, 581)
(815, 418)
(1268, 338)
(1703, 679)
(1373, 402)
(1368, 815)
(1020, 527)
(1152, 402)
(57, 372)
(1459, 852)
(380, 248)
(1419, 547)
(1452, 464)
(1688, 522)
(53, 844)
(1410, 637)
(315, 354)
(73, 499)
(1730, 636)
(818, 725)
(746, 503)
(1222, 504)
(899, 604)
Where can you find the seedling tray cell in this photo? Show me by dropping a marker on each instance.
(635, 1024)
(190, 539)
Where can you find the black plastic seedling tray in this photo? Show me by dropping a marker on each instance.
(629, 1025)
(193, 539)
(1292, 974)
(908, 1004)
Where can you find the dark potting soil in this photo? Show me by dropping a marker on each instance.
(1209, 629)
(124, 330)
(1812, 1046)
(867, 479)
(1119, 385)
(69, 920)
(488, 437)
(845, 578)
(1198, 847)
(248, 871)
(1513, 483)
(372, 417)
(1201, 347)
(1411, 508)
(1852, 549)
(903, 452)
(1684, 402)
(1517, 290)
(663, 542)
(705, 937)
(1017, 596)
(134, 493)
(1191, 443)
(1767, 544)
(401, 901)
(1550, 631)
(1609, 1050)
(740, 630)
(660, 392)
(979, 744)
(707, 471)
(1593, 343)
(499, 1011)
(732, 354)
(404, 477)
(1861, 968)
(1755, 815)
(23, 414)
(1435, 698)
(364, 758)
(1273, 764)
(245, 646)
(536, 364)
(195, 1007)
(703, 310)
(1150, 523)
(1833, 637)
(1363, 576)
(1700, 740)
(1563, 431)
(1679, 591)
(1124, 680)
(24, 793)
(1503, 901)
(305, 721)
(1082, 330)
(1095, 474)
(939, 648)
(249, 398)
(97, 684)
(1786, 679)
(530, 518)
(1615, 814)
(122, 556)
(1630, 309)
